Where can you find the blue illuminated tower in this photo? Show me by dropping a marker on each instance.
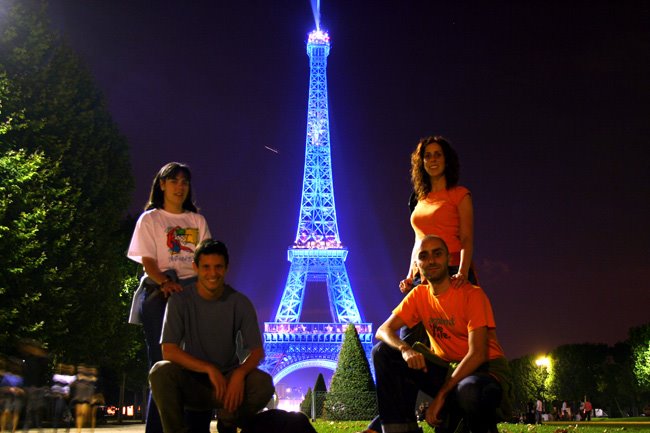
(317, 253)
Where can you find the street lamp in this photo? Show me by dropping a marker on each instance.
(543, 362)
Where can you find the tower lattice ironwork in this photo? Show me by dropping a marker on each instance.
(317, 254)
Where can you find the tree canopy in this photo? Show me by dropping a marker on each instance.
(529, 382)
(640, 344)
(579, 370)
(65, 174)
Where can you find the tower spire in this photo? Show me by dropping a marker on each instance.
(317, 225)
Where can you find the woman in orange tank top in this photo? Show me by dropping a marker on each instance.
(441, 207)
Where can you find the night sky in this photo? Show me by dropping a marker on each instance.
(547, 104)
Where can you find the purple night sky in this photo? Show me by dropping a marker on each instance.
(547, 104)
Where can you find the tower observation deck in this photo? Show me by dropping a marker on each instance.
(317, 254)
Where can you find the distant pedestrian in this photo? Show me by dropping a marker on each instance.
(35, 363)
(83, 389)
(587, 410)
(539, 410)
(64, 376)
(11, 390)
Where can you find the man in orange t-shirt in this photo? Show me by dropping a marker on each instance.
(461, 328)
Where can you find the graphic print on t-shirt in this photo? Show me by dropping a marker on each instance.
(437, 327)
(181, 239)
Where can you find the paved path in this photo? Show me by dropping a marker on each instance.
(110, 427)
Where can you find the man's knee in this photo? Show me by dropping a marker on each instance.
(468, 393)
(380, 351)
(476, 394)
(162, 373)
(374, 350)
(383, 355)
(260, 387)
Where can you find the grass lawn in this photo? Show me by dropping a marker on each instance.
(601, 425)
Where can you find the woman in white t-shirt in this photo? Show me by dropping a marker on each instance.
(164, 241)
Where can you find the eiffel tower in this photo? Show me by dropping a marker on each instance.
(317, 254)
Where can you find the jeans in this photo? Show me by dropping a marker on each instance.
(153, 313)
(61, 412)
(176, 390)
(474, 400)
(418, 332)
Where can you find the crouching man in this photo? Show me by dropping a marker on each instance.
(461, 328)
(206, 329)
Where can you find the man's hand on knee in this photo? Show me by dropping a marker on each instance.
(414, 359)
(234, 392)
(219, 383)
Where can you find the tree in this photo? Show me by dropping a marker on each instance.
(352, 391)
(67, 232)
(320, 391)
(30, 235)
(578, 371)
(622, 393)
(306, 403)
(318, 395)
(640, 346)
(320, 386)
(528, 381)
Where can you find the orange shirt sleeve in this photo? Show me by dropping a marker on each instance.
(407, 309)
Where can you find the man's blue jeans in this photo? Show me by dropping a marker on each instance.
(474, 399)
(152, 314)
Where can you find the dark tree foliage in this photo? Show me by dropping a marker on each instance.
(305, 404)
(318, 394)
(320, 384)
(320, 391)
(607, 375)
(579, 371)
(352, 391)
(622, 394)
(71, 168)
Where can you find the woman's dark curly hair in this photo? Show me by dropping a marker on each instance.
(420, 177)
(170, 171)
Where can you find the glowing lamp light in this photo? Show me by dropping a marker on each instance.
(543, 361)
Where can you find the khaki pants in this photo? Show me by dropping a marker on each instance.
(176, 389)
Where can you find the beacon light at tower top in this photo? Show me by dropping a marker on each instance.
(318, 37)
